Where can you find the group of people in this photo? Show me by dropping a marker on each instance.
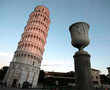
(25, 84)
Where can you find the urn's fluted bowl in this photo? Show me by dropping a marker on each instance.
(79, 34)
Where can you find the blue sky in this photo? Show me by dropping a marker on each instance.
(58, 55)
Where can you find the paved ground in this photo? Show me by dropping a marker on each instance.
(43, 89)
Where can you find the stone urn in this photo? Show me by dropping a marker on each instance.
(79, 35)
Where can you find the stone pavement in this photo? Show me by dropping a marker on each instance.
(47, 89)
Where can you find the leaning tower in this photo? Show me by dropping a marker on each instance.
(27, 59)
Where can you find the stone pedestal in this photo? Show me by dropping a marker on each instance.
(83, 70)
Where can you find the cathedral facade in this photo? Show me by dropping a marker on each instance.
(27, 59)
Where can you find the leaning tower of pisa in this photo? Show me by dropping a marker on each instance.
(27, 59)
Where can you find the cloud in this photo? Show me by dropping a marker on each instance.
(5, 54)
(5, 58)
(57, 65)
(63, 66)
(47, 65)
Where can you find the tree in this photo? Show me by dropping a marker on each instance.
(41, 76)
(104, 79)
(3, 71)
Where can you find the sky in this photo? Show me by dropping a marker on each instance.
(58, 55)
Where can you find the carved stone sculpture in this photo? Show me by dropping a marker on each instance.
(79, 35)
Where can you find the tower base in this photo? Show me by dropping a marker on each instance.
(19, 73)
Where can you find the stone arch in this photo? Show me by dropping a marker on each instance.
(34, 57)
(29, 45)
(25, 44)
(24, 55)
(28, 55)
(34, 36)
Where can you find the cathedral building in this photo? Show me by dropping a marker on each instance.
(27, 59)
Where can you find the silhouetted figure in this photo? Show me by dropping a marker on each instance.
(26, 84)
(19, 86)
(14, 84)
(5, 84)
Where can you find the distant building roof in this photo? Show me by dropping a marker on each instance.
(68, 75)
(95, 70)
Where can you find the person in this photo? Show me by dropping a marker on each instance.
(5, 84)
(14, 84)
(19, 86)
(106, 88)
(25, 84)
(1, 84)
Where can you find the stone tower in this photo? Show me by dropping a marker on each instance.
(26, 62)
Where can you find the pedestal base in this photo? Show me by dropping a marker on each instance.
(83, 70)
